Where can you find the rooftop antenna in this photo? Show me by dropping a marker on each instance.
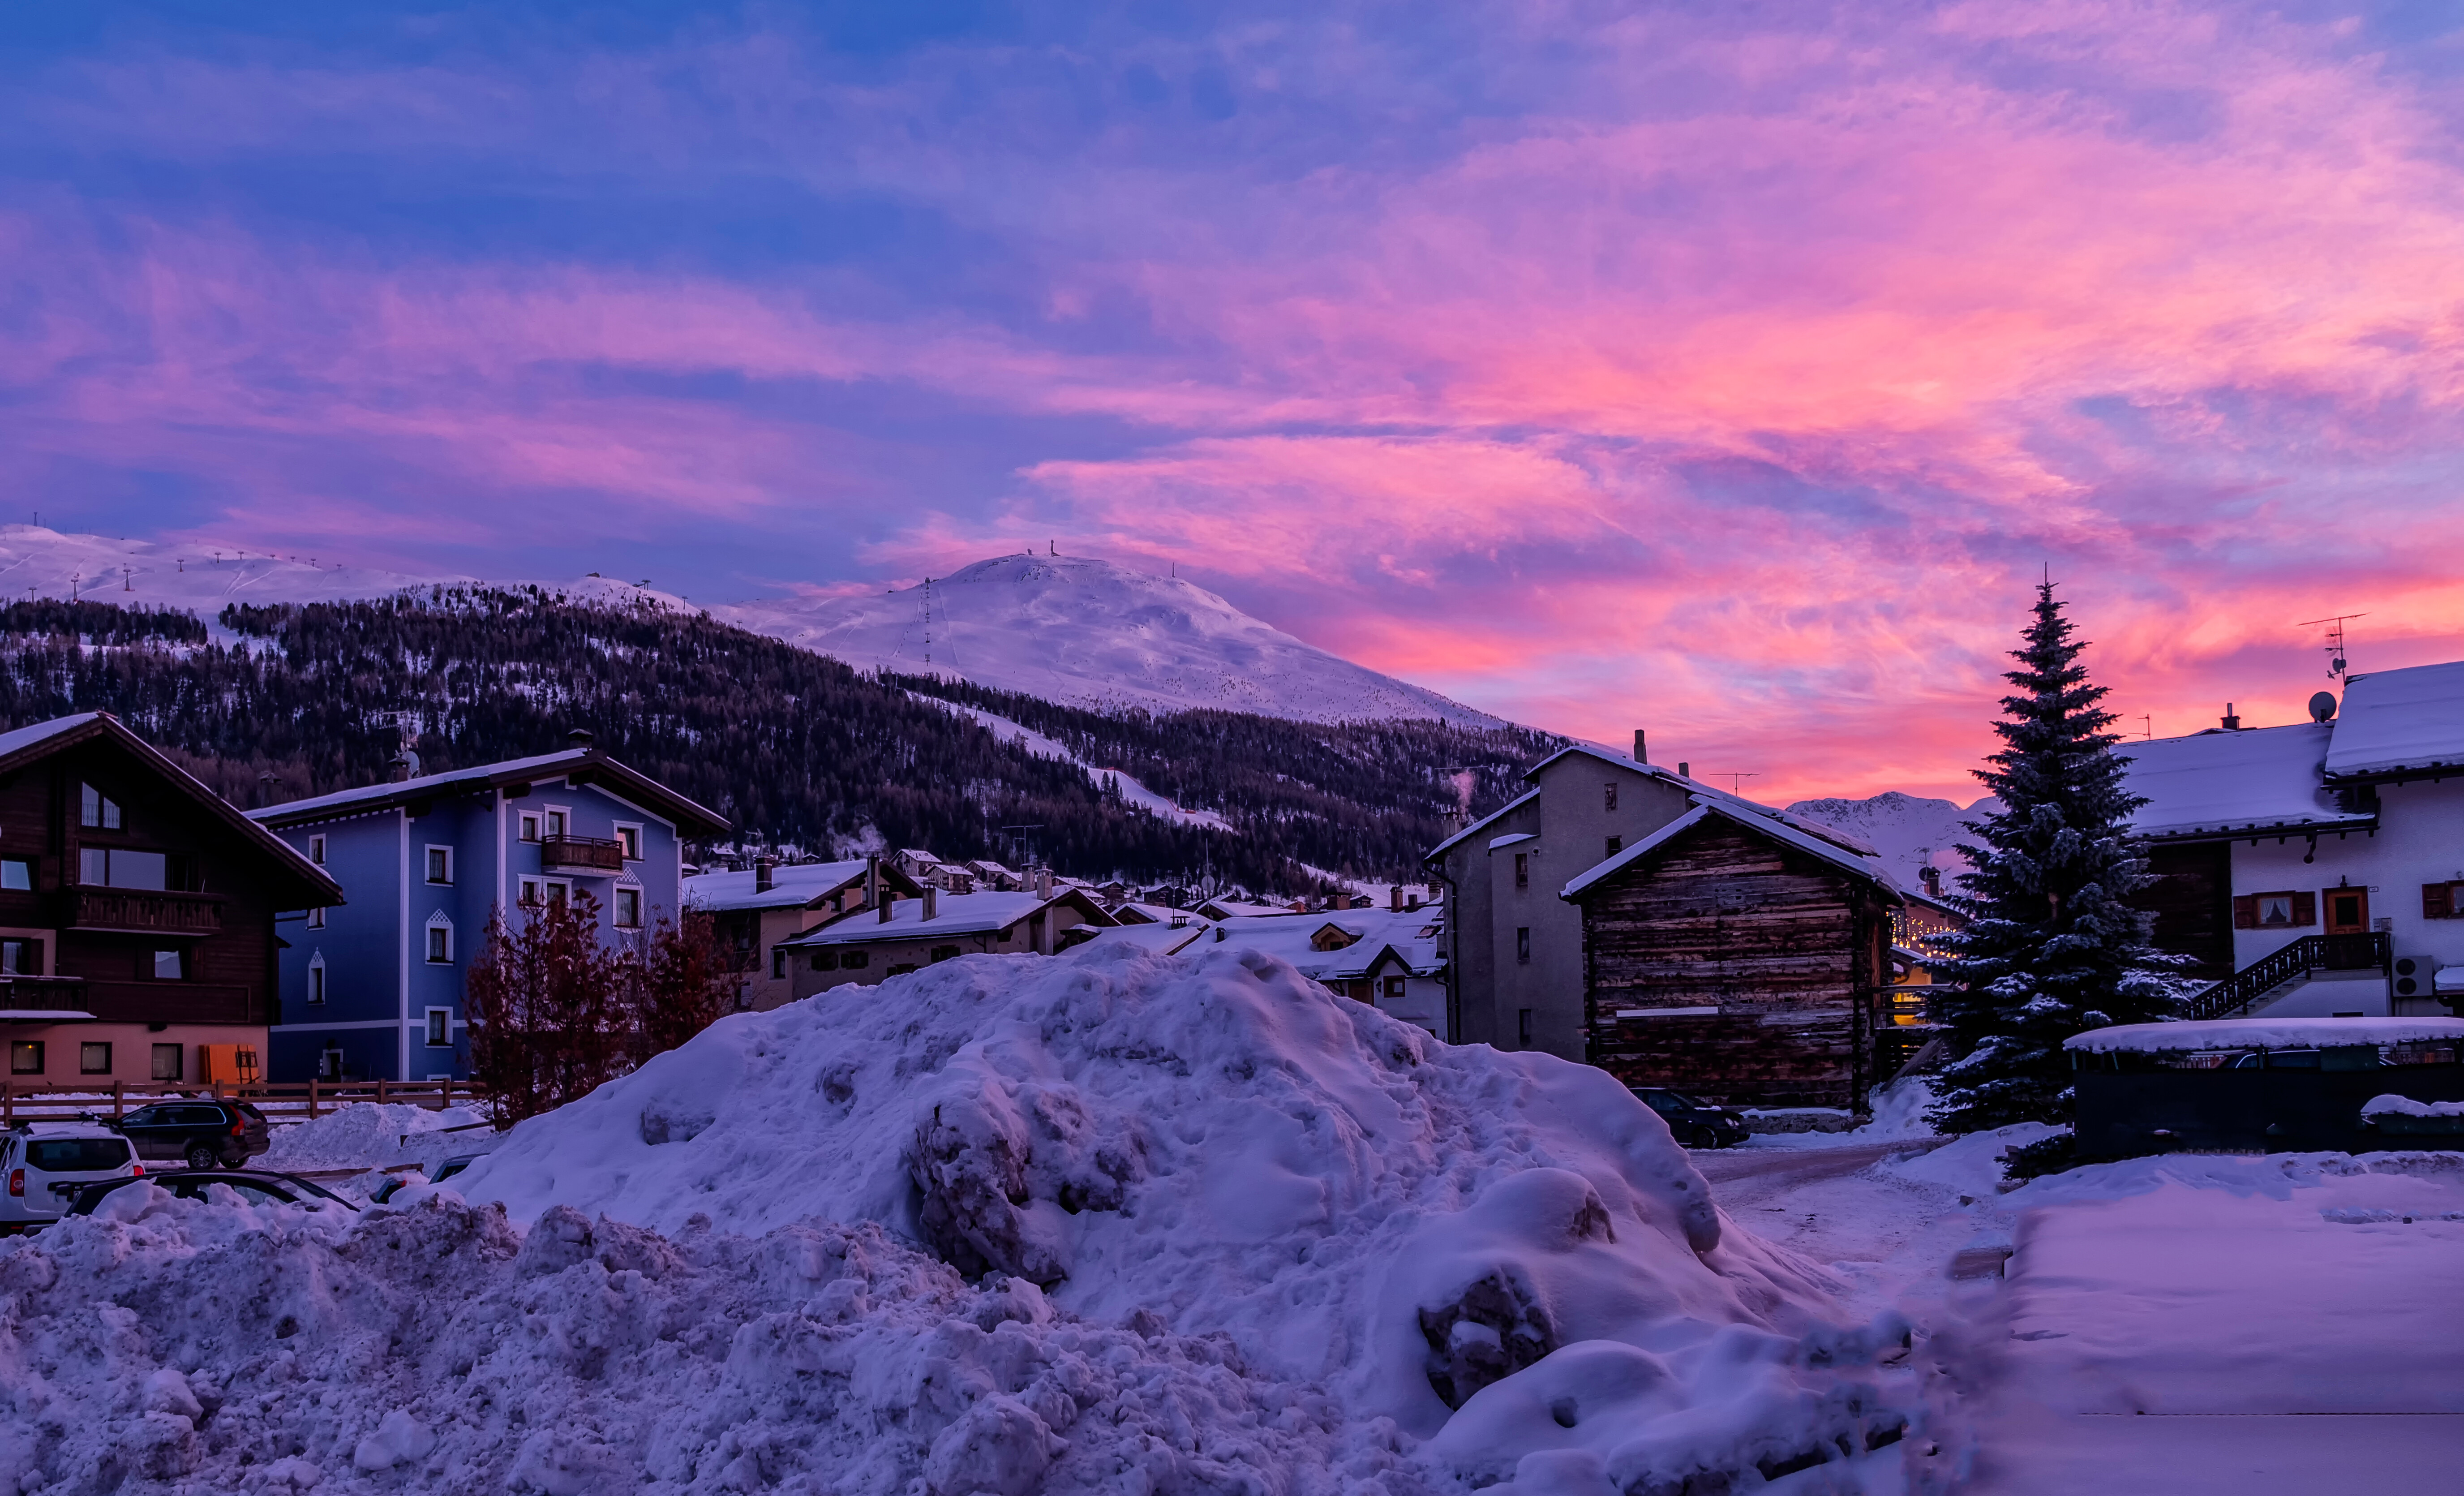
(2335, 639)
(1736, 779)
(2148, 730)
(1025, 845)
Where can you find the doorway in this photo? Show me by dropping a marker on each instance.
(2348, 911)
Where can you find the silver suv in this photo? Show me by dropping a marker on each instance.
(47, 1164)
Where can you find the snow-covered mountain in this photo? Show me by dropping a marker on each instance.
(1908, 832)
(1078, 631)
(1087, 632)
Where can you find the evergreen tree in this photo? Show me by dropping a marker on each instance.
(2052, 947)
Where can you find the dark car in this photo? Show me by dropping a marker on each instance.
(1690, 1122)
(444, 1171)
(256, 1189)
(205, 1134)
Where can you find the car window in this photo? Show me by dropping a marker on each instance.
(197, 1116)
(76, 1155)
(143, 1117)
(1657, 1100)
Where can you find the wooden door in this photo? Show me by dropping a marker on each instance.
(2348, 911)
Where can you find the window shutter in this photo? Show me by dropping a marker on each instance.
(2305, 909)
(2246, 911)
(2434, 901)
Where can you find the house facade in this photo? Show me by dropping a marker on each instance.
(899, 935)
(755, 911)
(137, 914)
(374, 990)
(1739, 957)
(2316, 869)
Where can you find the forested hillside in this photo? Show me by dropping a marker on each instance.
(791, 746)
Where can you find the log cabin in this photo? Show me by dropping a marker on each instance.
(1737, 958)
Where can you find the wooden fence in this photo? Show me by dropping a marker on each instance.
(280, 1103)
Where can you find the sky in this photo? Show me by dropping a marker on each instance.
(1730, 370)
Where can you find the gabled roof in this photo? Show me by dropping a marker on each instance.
(28, 744)
(1164, 939)
(2259, 778)
(1481, 824)
(952, 915)
(691, 820)
(1865, 866)
(1411, 937)
(1706, 792)
(2396, 720)
(793, 886)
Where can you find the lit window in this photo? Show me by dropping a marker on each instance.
(94, 1058)
(25, 1057)
(169, 1062)
(99, 810)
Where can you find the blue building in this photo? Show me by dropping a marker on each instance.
(373, 989)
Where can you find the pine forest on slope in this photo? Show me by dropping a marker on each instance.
(794, 748)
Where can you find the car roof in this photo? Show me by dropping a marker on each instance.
(64, 1129)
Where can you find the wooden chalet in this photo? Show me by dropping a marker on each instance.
(1738, 957)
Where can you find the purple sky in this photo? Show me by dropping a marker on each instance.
(1732, 370)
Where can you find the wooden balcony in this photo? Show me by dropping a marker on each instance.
(143, 912)
(29, 995)
(174, 1002)
(580, 854)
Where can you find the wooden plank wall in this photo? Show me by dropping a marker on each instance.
(1784, 945)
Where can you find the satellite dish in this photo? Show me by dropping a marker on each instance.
(2323, 706)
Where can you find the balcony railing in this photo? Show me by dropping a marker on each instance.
(42, 994)
(144, 912)
(580, 854)
(2237, 992)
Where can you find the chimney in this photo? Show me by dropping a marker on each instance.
(265, 783)
(1395, 899)
(1639, 755)
(1412, 903)
(2233, 722)
(872, 879)
(1931, 877)
(579, 739)
(931, 901)
(1043, 883)
(398, 768)
(1218, 932)
(765, 874)
(889, 902)
(1684, 770)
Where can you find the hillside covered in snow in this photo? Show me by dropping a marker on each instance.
(1908, 832)
(1085, 632)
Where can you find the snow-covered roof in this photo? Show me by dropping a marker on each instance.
(2392, 720)
(1133, 912)
(954, 914)
(691, 818)
(1236, 908)
(2260, 778)
(1862, 865)
(1481, 824)
(18, 740)
(1413, 935)
(1511, 839)
(1165, 939)
(792, 886)
(2261, 1033)
(1701, 791)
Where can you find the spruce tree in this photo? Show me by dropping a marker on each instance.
(2052, 947)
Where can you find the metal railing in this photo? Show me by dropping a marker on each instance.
(2237, 992)
(293, 1102)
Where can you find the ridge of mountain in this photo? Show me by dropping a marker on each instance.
(1910, 832)
(1075, 630)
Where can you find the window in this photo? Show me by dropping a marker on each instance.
(826, 961)
(170, 965)
(317, 850)
(94, 1058)
(856, 960)
(778, 962)
(2442, 901)
(530, 891)
(440, 943)
(25, 1057)
(530, 831)
(99, 810)
(440, 1028)
(629, 837)
(1522, 1027)
(123, 867)
(440, 865)
(1522, 943)
(317, 979)
(945, 953)
(17, 872)
(2288, 910)
(1610, 794)
(558, 819)
(329, 1066)
(1616, 844)
(1394, 989)
(554, 890)
(628, 908)
(316, 919)
(21, 957)
(1523, 869)
(169, 1060)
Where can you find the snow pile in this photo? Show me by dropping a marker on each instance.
(1216, 1145)
(2407, 1106)
(370, 1134)
(1898, 1115)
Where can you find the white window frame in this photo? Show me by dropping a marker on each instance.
(317, 917)
(526, 826)
(429, 1034)
(433, 848)
(565, 811)
(316, 849)
(435, 922)
(543, 885)
(635, 841)
(330, 1062)
(616, 906)
(317, 978)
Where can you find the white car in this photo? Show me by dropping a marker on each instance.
(47, 1164)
